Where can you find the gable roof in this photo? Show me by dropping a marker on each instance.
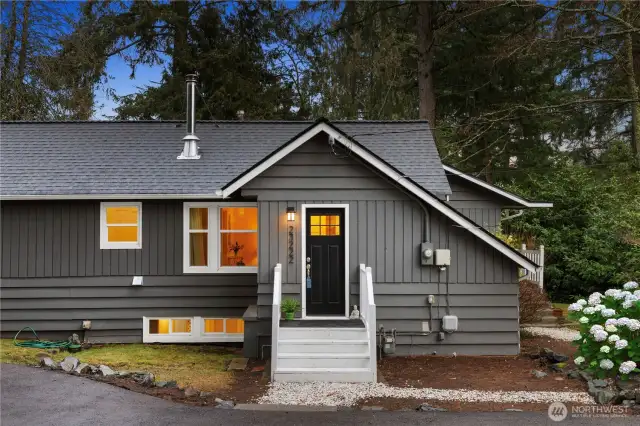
(395, 175)
(138, 159)
(510, 196)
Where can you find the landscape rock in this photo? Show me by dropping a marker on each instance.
(538, 374)
(49, 363)
(628, 403)
(224, 404)
(427, 407)
(84, 368)
(206, 394)
(599, 383)
(106, 370)
(69, 364)
(143, 378)
(586, 376)
(558, 358)
(238, 364)
(167, 384)
(124, 374)
(372, 408)
(189, 392)
(74, 339)
(513, 409)
(573, 374)
(558, 367)
(546, 353)
(603, 396)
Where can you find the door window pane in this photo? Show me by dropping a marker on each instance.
(198, 249)
(325, 225)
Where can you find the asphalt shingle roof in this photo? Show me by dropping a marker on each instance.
(139, 157)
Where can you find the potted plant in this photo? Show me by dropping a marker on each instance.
(289, 308)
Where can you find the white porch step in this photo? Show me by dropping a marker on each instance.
(308, 346)
(343, 375)
(323, 333)
(322, 360)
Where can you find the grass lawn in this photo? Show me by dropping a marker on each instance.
(190, 365)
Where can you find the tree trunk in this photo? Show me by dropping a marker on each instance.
(634, 92)
(426, 87)
(24, 41)
(11, 39)
(180, 11)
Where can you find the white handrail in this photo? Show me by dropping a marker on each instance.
(368, 314)
(275, 316)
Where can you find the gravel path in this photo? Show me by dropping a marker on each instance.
(347, 394)
(565, 334)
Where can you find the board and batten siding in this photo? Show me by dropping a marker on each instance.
(54, 274)
(478, 204)
(386, 229)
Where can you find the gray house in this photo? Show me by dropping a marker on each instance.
(134, 232)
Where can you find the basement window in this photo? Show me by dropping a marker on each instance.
(120, 225)
(192, 330)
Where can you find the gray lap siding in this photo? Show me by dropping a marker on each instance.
(54, 274)
(386, 228)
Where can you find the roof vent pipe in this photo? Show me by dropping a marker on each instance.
(240, 115)
(190, 149)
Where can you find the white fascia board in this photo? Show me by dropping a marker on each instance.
(400, 180)
(495, 189)
(216, 195)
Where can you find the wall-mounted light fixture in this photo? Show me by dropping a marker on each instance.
(291, 218)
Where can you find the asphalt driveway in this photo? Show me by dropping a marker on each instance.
(32, 396)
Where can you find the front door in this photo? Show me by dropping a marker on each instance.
(325, 258)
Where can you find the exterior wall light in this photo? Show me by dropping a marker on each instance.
(291, 214)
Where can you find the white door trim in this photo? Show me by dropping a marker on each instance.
(303, 259)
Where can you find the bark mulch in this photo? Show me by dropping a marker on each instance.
(498, 373)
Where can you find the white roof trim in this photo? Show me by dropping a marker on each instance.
(214, 196)
(392, 174)
(495, 189)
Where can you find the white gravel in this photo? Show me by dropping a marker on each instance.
(565, 334)
(347, 394)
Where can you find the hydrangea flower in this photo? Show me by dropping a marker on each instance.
(579, 360)
(624, 321)
(631, 285)
(584, 320)
(595, 299)
(605, 349)
(589, 310)
(608, 313)
(611, 292)
(613, 338)
(577, 337)
(627, 367)
(610, 328)
(595, 328)
(621, 295)
(637, 293)
(606, 364)
(634, 325)
(627, 303)
(581, 302)
(621, 344)
(611, 321)
(574, 307)
(598, 308)
(600, 335)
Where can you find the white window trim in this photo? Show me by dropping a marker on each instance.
(303, 278)
(197, 334)
(213, 241)
(104, 235)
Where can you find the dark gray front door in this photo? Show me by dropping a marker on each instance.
(325, 284)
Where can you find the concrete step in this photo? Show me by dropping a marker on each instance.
(322, 360)
(360, 346)
(342, 375)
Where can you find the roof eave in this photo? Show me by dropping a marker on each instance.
(35, 197)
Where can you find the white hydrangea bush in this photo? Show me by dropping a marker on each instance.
(609, 339)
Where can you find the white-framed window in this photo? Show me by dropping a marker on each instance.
(220, 237)
(192, 329)
(121, 225)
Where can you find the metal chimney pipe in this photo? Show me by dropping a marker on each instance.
(190, 149)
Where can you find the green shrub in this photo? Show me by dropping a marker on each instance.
(609, 339)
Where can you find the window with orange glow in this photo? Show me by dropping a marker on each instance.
(324, 225)
(120, 225)
(238, 236)
(221, 325)
(169, 326)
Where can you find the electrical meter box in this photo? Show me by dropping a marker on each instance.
(426, 254)
(443, 257)
(450, 323)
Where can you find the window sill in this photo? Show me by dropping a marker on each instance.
(223, 270)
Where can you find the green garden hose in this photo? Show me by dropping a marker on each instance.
(42, 344)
